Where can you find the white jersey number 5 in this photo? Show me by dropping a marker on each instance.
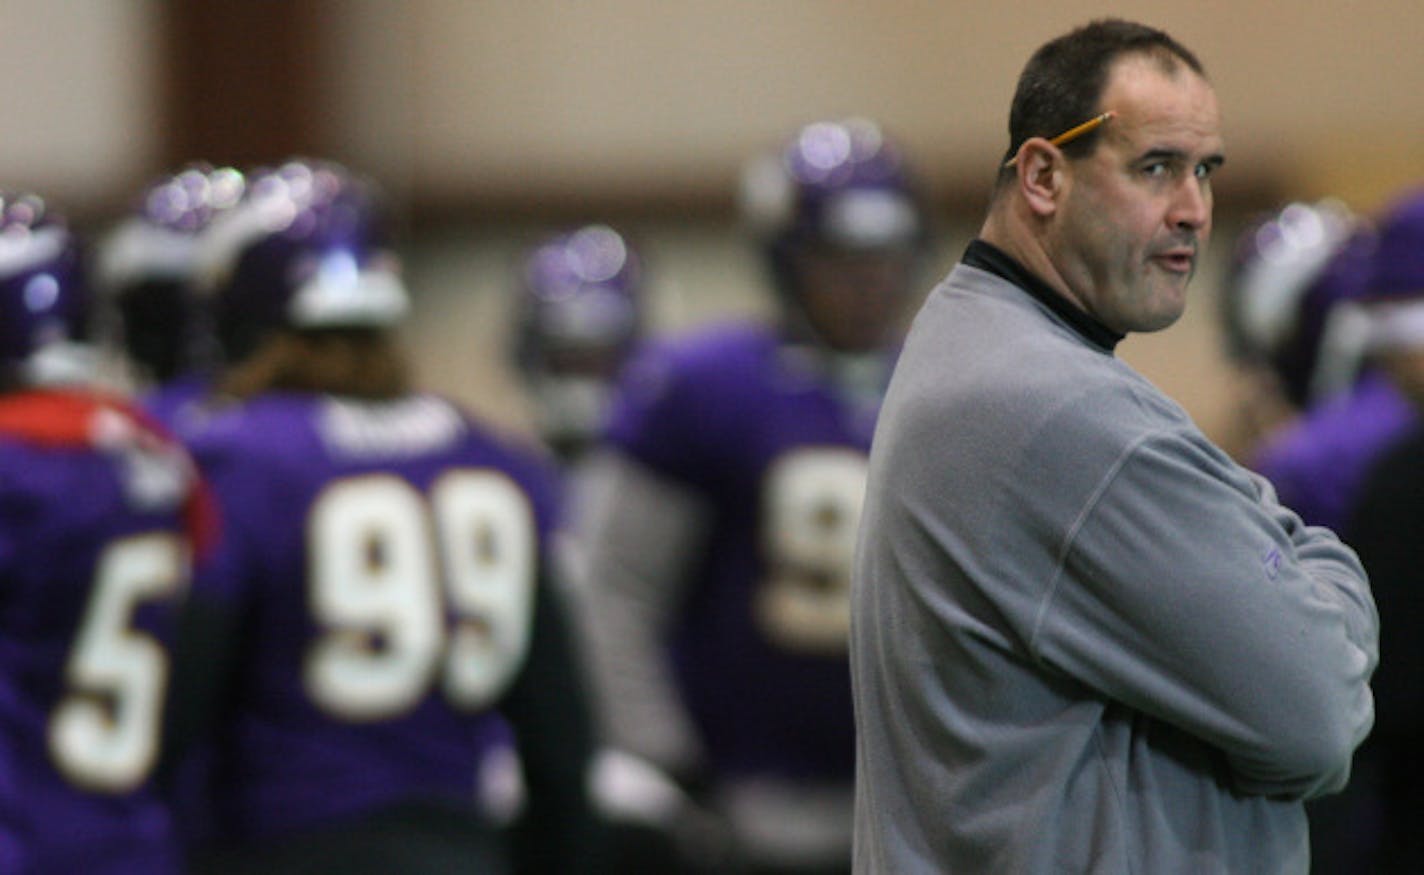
(103, 735)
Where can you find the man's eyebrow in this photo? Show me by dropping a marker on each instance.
(1161, 154)
(1214, 160)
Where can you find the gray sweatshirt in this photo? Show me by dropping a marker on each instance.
(1083, 639)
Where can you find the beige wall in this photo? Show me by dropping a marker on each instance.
(556, 96)
(78, 101)
(630, 101)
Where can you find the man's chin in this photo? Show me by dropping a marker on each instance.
(1161, 310)
(1164, 316)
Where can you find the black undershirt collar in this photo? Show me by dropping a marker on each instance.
(991, 258)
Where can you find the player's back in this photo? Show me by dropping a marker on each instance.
(383, 557)
(180, 404)
(93, 557)
(758, 431)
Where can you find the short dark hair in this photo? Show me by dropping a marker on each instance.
(1062, 84)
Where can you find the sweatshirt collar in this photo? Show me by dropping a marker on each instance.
(991, 258)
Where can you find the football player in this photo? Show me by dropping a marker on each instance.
(381, 588)
(734, 470)
(145, 270)
(579, 311)
(1373, 465)
(1303, 300)
(100, 515)
(578, 315)
(1318, 415)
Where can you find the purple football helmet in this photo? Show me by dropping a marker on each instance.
(838, 206)
(44, 297)
(1397, 275)
(1392, 306)
(578, 314)
(1290, 274)
(146, 264)
(305, 248)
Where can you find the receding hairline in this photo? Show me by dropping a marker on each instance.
(1152, 64)
(1168, 62)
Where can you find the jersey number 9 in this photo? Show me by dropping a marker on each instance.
(812, 504)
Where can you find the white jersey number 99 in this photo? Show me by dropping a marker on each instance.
(389, 563)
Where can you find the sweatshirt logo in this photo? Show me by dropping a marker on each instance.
(1272, 563)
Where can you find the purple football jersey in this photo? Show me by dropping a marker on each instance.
(1318, 463)
(383, 558)
(94, 556)
(178, 404)
(758, 430)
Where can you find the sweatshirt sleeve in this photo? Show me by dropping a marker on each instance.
(638, 540)
(1186, 591)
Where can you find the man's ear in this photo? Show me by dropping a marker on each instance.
(1040, 168)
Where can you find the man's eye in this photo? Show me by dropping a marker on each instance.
(1203, 171)
(1157, 169)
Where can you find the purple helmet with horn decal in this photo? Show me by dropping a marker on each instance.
(837, 189)
(1288, 278)
(1394, 295)
(306, 247)
(44, 296)
(579, 311)
(146, 264)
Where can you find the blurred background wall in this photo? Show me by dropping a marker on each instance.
(490, 120)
